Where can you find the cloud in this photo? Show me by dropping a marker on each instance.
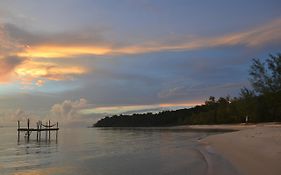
(31, 73)
(80, 111)
(68, 113)
(20, 114)
(58, 45)
(117, 109)
(8, 44)
(12, 117)
(268, 33)
(265, 34)
(200, 90)
(63, 51)
(8, 60)
(40, 82)
(33, 49)
(69, 37)
(130, 109)
(42, 71)
(24, 68)
(8, 66)
(69, 110)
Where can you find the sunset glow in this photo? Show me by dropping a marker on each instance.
(61, 51)
(132, 108)
(128, 56)
(136, 87)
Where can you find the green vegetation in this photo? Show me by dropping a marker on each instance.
(262, 104)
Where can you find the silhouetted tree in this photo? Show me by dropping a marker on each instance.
(266, 76)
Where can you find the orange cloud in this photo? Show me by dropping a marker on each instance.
(60, 51)
(188, 104)
(7, 67)
(40, 82)
(270, 32)
(15, 65)
(40, 71)
(27, 70)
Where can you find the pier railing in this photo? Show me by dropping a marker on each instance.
(40, 127)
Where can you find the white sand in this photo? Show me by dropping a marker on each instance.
(256, 149)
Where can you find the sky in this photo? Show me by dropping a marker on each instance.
(79, 60)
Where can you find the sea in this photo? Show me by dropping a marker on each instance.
(111, 151)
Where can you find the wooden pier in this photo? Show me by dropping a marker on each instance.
(40, 127)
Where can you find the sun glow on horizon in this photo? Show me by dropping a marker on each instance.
(136, 108)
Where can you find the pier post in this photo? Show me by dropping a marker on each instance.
(46, 131)
(57, 131)
(40, 126)
(28, 134)
(18, 131)
(49, 130)
(37, 131)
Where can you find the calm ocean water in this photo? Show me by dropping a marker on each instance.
(94, 151)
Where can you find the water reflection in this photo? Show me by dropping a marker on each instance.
(17, 157)
(105, 151)
(169, 129)
(45, 171)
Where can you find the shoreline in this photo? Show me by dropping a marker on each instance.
(253, 149)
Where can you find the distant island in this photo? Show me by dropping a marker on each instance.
(260, 104)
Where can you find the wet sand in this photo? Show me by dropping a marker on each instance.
(254, 149)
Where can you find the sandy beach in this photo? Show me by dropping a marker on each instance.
(254, 149)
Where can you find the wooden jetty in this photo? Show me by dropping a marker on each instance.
(40, 127)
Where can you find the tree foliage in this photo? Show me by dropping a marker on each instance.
(266, 76)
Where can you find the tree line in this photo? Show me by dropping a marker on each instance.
(262, 103)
